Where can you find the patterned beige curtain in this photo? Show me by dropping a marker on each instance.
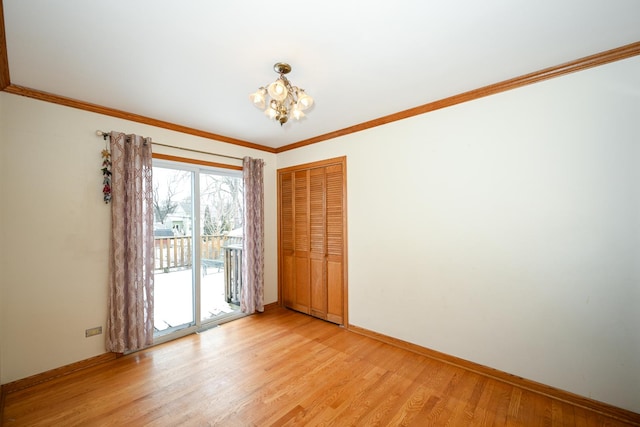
(252, 295)
(130, 317)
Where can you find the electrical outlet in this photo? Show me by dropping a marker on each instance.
(93, 331)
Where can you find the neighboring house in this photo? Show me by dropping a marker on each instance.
(180, 219)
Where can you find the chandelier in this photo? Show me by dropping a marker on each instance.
(280, 100)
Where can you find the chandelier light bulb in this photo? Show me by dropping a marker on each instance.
(258, 98)
(278, 90)
(304, 100)
(271, 113)
(297, 112)
(281, 100)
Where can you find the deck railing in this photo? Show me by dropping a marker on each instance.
(175, 253)
(232, 272)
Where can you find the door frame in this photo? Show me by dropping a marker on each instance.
(195, 167)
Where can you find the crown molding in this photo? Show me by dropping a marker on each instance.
(4, 59)
(95, 108)
(591, 61)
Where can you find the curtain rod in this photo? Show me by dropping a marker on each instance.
(104, 135)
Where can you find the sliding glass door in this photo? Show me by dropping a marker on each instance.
(198, 247)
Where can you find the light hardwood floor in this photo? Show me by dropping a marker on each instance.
(284, 368)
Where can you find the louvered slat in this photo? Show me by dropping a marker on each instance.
(316, 211)
(286, 212)
(301, 212)
(334, 194)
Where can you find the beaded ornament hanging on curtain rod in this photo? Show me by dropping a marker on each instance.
(106, 175)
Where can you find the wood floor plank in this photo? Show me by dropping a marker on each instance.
(411, 407)
(283, 368)
(321, 402)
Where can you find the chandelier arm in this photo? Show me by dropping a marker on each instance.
(287, 83)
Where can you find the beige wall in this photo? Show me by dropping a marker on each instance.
(55, 230)
(504, 231)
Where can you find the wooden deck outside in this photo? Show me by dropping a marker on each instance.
(220, 279)
(284, 368)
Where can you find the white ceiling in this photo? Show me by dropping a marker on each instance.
(194, 62)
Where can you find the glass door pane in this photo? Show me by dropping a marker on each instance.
(221, 222)
(174, 285)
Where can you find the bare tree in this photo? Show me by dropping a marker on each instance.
(208, 227)
(164, 194)
(223, 198)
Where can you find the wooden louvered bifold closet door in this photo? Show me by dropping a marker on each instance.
(317, 243)
(285, 241)
(302, 297)
(335, 242)
(311, 240)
